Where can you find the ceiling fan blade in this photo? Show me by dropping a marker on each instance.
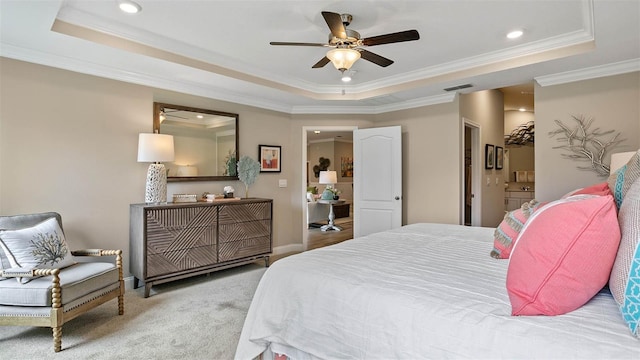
(296, 43)
(375, 58)
(335, 24)
(401, 36)
(324, 61)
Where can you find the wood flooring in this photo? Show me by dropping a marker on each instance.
(318, 238)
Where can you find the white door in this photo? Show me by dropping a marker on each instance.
(377, 180)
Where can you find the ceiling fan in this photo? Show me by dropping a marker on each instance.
(347, 44)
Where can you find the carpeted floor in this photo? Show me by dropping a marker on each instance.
(196, 318)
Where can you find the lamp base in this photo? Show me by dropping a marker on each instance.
(156, 188)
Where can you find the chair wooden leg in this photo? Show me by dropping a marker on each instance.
(120, 304)
(57, 338)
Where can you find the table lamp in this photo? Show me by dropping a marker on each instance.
(155, 148)
(328, 178)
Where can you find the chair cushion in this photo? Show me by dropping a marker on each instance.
(76, 281)
(41, 246)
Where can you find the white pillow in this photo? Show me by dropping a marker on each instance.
(624, 281)
(42, 246)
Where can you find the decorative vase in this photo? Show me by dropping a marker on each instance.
(336, 197)
(327, 195)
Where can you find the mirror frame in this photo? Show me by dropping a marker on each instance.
(157, 108)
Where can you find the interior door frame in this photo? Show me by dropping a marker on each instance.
(303, 175)
(476, 171)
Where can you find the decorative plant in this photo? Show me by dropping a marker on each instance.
(248, 170)
(586, 145)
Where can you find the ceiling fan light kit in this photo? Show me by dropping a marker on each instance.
(349, 46)
(343, 59)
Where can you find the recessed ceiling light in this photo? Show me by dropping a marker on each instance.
(345, 78)
(515, 34)
(522, 109)
(199, 116)
(129, 6)
(316, 131)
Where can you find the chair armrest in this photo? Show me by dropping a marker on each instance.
(95, 252)
(29, 273)
(102, 252)
(56, 299)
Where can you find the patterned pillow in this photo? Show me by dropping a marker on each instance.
(563, 256)
(620, 181)
(624, 281)
(507, 232)
(42, 246)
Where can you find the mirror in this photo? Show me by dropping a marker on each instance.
(205, 141)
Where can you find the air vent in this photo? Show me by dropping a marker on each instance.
(459, 87)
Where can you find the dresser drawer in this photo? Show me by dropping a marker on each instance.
(174, 261)
(170, 219)
(236, 213)
(238, 249)
(241, 230)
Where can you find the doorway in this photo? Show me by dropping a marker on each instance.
(470, 214)
(340, 137)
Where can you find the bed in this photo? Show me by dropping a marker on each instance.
(562, 282)
(420, 291)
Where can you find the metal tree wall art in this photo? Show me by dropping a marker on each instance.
(584, 144)
(521, 135)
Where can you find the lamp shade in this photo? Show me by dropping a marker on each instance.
(343, 59)
(328, 177)
(155, 148)
(619, 160)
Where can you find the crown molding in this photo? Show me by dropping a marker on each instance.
(618, 68)
(79, 66)
(78, 24)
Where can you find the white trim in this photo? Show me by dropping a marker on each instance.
(476, 172)
(594, 72)
(285, 249)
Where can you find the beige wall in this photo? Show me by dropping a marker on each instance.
(613, 102)
(430, 162)
(68, 143)
(486, 108)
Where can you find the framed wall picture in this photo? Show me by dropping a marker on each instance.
(489, 157)
(499, 157)
(270, 158)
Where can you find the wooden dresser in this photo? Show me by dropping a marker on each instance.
(174, 241)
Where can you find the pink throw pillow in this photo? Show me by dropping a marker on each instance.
(505, 235)
(601, 189)
(563, 256)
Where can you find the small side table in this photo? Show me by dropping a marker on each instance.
(332, 215)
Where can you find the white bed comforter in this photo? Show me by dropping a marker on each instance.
(421, 291)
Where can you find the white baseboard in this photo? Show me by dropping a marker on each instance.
(288, 249)
(128, 283)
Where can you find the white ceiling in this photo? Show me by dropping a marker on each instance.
(220, 49)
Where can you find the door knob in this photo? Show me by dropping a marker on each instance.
(397, 197)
